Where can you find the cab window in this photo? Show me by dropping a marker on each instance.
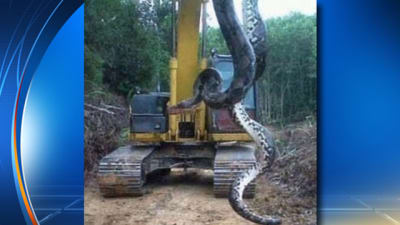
(226, 70)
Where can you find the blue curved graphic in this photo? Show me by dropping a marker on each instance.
(27, 30)
(52, 129)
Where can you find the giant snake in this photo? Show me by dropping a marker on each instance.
(249, 59)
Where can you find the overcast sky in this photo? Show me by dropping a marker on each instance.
(269, 8)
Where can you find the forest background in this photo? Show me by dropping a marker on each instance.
(128, 46)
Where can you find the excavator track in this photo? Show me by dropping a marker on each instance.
(121, 173)
(229, 162)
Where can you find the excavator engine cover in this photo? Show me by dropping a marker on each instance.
(149, 113)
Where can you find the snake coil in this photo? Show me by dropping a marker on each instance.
(249, 59)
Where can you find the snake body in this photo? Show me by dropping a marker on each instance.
(248, 49)
(265, 147)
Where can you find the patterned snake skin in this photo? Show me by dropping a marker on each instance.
(248, 53)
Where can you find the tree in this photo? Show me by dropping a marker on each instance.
(127, 39)
(128, 44)
(288, 89)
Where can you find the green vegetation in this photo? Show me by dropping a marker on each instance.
(289, 87)
(124, 47)
(128, 44)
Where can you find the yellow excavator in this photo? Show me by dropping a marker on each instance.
(200, 137)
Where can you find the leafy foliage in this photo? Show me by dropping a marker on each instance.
(128, 44)
(216, 40)
(123, 37)
(287, 92)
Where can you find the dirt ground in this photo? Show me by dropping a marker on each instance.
(186, 198)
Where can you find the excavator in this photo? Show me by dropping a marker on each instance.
(199, 137)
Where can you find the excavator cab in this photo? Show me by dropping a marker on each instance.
(220, 119)
(200, 137)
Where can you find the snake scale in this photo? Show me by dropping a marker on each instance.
(248, 49)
